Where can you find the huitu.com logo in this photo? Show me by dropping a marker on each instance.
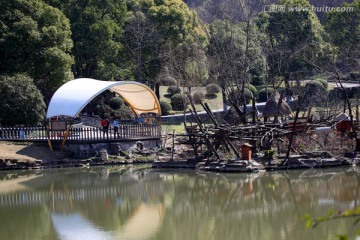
(284, 8)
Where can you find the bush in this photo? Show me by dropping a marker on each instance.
(314, 86)
(178, 102)
(210, 95)
(198, 97)
(323, 82)
(252, 89)
(165, 108)
(212, 89)
(336, 94)
(355, 92)
(21, 103)
(236, 95)
(257, 81)
(354, 75)
(172, 90)
(262, 96)
(314, 93)
(168, 81)
(124, 113)
(248, 95)
(102, 110)
(116, 103)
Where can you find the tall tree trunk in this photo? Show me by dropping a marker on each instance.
(157, 89)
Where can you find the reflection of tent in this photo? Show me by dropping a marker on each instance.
(143, 224)
(271, 106)
(74, 226)
(74, 95)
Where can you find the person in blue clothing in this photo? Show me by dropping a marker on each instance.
(116, 128)
(141, 119)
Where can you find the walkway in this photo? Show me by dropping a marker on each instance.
(81, 133)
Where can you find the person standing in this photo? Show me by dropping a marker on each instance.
(116, 128)
(105, 126)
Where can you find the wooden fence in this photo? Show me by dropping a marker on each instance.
(92, 134)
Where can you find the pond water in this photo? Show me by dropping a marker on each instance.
(125, 202)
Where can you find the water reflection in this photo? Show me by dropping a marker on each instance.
(140, 203)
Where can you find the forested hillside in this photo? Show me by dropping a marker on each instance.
(209, 10)
(232, 45)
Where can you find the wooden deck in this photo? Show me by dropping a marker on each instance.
(127, 132)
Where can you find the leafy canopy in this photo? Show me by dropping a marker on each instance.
(21, 102)
(35, 39)
(294, 39)
(96, 28)
(344, 31)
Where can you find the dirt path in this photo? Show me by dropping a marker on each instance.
(27, 151)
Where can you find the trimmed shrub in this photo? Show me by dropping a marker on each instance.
(236, 95)
(355, 92)
(212, 89)
(198, 97)
(354, 75)
(248, 95)
(102, 110)
(314, 93)
(263, 96)
(165, 108)
(252, 88)
(257, 81)
(125, 113)
(172, 90)
(210, 95)
(168, 81)
(336, 94)
(116, 103)
(178, 102)
(314, 85)
(323, 82)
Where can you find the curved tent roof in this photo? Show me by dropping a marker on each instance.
(74, 95)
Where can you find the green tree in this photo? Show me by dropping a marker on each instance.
(344, 31)
(155, 34)
(294, 40)
(188, 62)
(35, 39)
(21, 102)
(97, 28)
(235, 57)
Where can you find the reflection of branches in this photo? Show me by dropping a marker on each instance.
(292, 194)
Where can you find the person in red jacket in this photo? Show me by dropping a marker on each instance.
(105, 126)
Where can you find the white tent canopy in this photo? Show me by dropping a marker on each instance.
(74, 95)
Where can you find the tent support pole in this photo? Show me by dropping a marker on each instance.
(66, 134)
(48, 137)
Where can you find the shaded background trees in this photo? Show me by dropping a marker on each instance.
(178, 43)
(96, 28)
(35, 40)
(21, 102)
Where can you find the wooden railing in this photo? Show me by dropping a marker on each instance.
(126, 131)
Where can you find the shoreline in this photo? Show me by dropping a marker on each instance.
(28, 156)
